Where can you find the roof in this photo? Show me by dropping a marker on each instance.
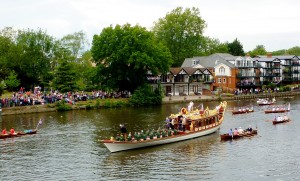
(266, 59)
(188, 70)
(210, 61)
(279, 56)
(175, 70)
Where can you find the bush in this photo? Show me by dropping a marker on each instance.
(63, 106)
(2, 87)
(144, 96)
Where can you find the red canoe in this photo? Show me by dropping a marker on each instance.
(18, 134)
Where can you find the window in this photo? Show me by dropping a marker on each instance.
(222, 70)
(219, 80)
(224, 81)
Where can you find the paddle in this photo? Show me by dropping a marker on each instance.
(39, 123)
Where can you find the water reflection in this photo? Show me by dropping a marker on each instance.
(67, 147)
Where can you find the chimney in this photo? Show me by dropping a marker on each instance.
(269, 55)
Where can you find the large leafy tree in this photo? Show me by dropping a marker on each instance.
(236, 48)
(75, 43)
(65, 76)
(280, 52)
(11, 81)
(9, 52)
(258, 50)
(36, 53)
(213, 45)
(6, 47)
(291, 51)
(126, 54)
(86, 72)
(181, 31)
(294, 51)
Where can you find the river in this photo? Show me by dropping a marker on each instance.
(67, 147)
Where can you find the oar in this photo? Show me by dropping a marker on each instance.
(39, 123)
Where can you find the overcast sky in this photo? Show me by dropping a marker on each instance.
(272, 23)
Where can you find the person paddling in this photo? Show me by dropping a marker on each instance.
(123, 131)
(4, 131)
(12, 131)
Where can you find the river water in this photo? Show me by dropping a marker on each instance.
(67, 147)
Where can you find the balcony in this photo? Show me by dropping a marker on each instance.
(247, 66)
(271, 75)
(272, 67)
(295, 64)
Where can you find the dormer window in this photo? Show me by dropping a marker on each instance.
(222, 70)
(195, 62)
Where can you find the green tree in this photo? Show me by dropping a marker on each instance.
(213, 45)
(126, 54)
(144, 96)
(9, 32)
(2, 87)
(294, 51)
(86, 72)
(5, 47)
(11, 81)
(258, 50)
(236, 48)
(279, 52)
(75, 43)
(65, 77)
(34, 57)
(182, 32)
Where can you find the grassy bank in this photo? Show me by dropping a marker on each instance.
(114, 103)
(63, 106)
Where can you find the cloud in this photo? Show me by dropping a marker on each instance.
(273, 22)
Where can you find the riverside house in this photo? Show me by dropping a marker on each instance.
(283, 69)
(227, 73)
(183, 81)
(222, 68)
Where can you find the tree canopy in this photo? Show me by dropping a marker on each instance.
(258, 50)
(126, 54)
(75, 43)
(181, 31)
(236, 48)
(65, 77)
(213, 45)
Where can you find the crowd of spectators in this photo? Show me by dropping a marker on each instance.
(37, 96)
(254, 91)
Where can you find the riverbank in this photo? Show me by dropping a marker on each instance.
(207, 98)
(166, 100)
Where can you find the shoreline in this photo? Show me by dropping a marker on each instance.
(166, 100)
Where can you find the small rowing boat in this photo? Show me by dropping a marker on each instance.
(197, 123)
(278, 109)
(18, 134)
(225, 137)
(266, 101)
(243, 110)
(281, 119)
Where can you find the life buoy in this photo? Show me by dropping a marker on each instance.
(206, 112)
(183, 111)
